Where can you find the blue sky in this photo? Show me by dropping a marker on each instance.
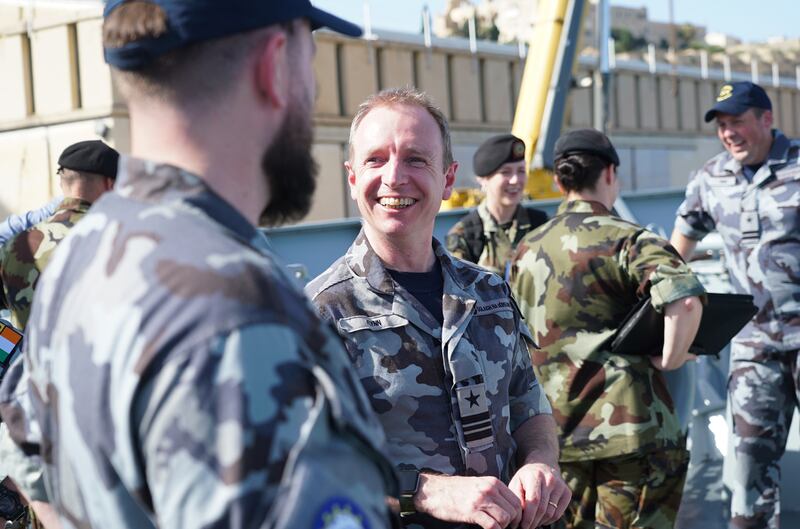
(734, 17)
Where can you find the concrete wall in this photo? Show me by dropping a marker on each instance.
(56, 90)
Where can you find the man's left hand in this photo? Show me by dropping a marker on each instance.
(543, 494)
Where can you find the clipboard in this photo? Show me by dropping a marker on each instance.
(724, 315)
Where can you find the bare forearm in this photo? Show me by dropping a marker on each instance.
(683, 244)
(537, 441)
(681, 321)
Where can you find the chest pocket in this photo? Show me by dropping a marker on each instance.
(781, 201)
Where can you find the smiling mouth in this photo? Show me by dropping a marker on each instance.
(396, 203)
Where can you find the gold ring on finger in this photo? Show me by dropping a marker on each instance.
(555, 505)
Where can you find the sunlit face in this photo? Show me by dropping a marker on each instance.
(396, 174)
(506, 186)
(746, 137)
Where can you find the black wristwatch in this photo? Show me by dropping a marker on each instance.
(409, 483)
(11, 507)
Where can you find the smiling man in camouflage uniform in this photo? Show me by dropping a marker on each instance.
(750, 194)
(576, 278)
(437, 342)
(176, 375)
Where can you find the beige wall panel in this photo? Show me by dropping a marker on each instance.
(796, 111)
(517, 67)
(626, 101)
(648, 102)
(669, 103)
(786, 108)
(51, 71)
(10, 15)
(580, 108)
(465, 75)
(329, 198)
(95, 76)
(397, 68)
(689, 108)
(359, 75)
(12, 87)
(326, 71)
(24, 164)
(706, 94)
(432, 77)
(497, 92)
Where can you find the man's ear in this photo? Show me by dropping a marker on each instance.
(768, 119)
(351, 178)
(557, 182)
(272, 70)
(449, 180)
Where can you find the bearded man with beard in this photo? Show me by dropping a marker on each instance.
(173, 376)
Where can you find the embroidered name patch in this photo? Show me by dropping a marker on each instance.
(490, 307)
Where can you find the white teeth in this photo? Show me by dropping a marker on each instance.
(394, 202)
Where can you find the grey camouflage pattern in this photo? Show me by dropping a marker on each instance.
(180, 379)
(760, 226)
(428, 407)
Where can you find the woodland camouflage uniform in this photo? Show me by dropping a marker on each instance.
(479, 239)
(575, 278)
(24, 257)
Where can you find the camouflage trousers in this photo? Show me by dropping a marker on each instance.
(762, 393)
(635, 491)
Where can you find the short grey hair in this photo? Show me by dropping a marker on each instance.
(405, 96)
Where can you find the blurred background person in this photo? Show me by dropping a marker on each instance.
(489, 234)
(576, 278)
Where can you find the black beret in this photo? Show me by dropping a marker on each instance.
(496, 151)
(91, 156)
(588, 141)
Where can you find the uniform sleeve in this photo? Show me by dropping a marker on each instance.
(656, 267)
(15, 224)
(456, 243)
(526, 397)
(240, 434)
(692, 218)
(20, 434)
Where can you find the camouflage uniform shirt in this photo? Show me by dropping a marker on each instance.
(759, 223)
(178, 378)
(25, 255)
(449, 397)
(499, 242)
(575, 278)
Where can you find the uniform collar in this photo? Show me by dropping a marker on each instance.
(147, 181)
(73, 204)
(520, 218)
(582, 206)
(364, 263)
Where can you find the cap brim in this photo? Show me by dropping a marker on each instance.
(323, 19)
(732, 109)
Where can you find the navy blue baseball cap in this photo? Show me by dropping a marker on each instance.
(190, 21)
(736, 98)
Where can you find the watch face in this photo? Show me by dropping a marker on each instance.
(10, 506)
(409, 481)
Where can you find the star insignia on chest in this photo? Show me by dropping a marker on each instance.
(473, 399)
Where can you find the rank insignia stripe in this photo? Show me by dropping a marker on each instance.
(476, 419)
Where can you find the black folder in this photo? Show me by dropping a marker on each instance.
(724, 315)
